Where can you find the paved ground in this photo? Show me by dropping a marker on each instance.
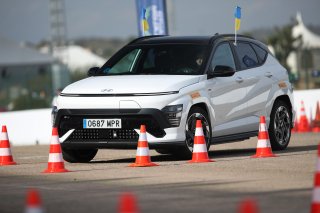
(282, 184)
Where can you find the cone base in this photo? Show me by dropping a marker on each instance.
(315, 207)
(143, 164)
(200, 157)
(55, 171)
(263, 156)
(316, 129)
(8, 163)
(201, 161)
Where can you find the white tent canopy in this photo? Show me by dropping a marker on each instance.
(309, 39)
(76, 57)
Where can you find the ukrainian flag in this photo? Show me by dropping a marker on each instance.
(237, 16)
(144, 22)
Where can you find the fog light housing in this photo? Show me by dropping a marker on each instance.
(173, 114)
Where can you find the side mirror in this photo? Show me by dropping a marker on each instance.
(221, 71)
(93, 71)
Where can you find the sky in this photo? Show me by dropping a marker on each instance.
(28, 20)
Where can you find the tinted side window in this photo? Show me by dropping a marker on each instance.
(262, 54)
(247, 56)
(223, 56)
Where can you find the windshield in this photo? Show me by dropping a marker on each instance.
(173, 59)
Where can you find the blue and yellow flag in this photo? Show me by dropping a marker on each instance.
(144, 20)
(237, 15)
(151, 17)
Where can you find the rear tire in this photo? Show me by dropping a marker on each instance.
(280, 125)
(78, 155)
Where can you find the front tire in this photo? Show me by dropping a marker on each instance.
(78, 155)
(196, 113)
(280, 125)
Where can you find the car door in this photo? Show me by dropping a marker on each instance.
(259, 81)
(227, 95)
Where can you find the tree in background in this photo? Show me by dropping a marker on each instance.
(284, 43)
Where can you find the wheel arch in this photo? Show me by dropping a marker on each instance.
(201, 105)
(205, 107)
(286, 99)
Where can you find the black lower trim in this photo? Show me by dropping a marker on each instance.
(155, 120)
(117, 145)
(158, 115)
(234, 137)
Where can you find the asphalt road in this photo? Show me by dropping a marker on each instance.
(281, 184)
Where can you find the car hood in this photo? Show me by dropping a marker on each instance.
(130, 84)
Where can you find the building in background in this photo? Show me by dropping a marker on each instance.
(28, 78)
(305, 62)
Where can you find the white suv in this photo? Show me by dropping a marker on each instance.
(167, 83)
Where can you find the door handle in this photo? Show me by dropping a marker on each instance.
(239, 79)
(268, 74)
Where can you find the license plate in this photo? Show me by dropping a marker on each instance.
(102, 123)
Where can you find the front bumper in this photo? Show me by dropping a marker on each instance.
(72, 133)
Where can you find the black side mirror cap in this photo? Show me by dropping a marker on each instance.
(221, 71)
(93, 71)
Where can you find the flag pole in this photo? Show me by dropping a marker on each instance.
(237, 16)
(235, 34)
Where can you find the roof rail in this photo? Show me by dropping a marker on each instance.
(144, 37)
(217, 36)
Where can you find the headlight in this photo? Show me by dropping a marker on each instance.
(173, 113)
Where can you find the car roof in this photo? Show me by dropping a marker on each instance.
(160, 39)
(204, 40)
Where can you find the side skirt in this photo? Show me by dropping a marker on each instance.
(234, 137)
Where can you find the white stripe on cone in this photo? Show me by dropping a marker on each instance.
(55, 139)
(263, 127)
(199, 132)
(142, 151)
(33, 210)
(55, 157)
(4, 136)
(143, 137)
(263, 143)
(318, 165)
(5, 152)
(199, 148)
(316, 195)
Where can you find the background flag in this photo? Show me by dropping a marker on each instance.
(152, 17)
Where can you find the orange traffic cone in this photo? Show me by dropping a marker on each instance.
(142, 157)
(55, 162)
(263, 147)
(128, 203)
(200, 153)
(315, 206)
(33, 203)
(303, 122)
(248, 206)
(295, 128)
(316, 121)
(5, 151)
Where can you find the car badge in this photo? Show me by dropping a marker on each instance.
(107, 90)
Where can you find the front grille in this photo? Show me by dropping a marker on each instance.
(103, 135)
(129, 123)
